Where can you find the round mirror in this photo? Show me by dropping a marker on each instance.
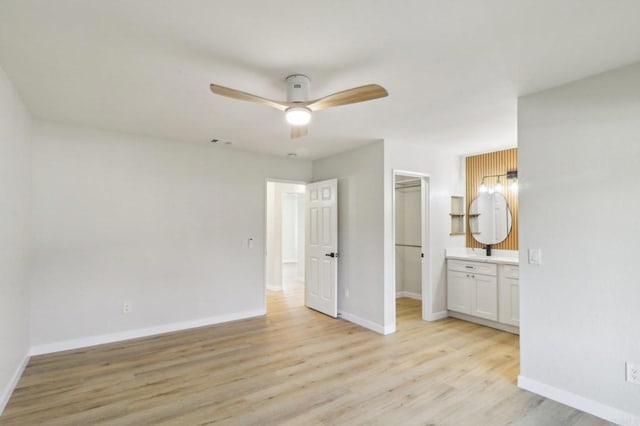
(489, 218)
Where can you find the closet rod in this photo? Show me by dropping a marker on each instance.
(408, 186)
(407, 245)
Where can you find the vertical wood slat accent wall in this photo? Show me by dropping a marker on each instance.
(493, 163)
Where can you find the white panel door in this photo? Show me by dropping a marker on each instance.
(321, 283)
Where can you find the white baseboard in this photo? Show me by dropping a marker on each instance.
(389, 329)
(84, 342)
(488, 323)
(365, 323)
(576, 401)
(8, 390)
(409, 294)
(435, 316)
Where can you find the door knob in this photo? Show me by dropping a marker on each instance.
(331, 254)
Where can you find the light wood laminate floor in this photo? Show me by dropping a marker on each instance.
(295, 367)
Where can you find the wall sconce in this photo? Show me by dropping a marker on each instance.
(511, 178)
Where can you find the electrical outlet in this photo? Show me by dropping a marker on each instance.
(633, 373)
(126, 307)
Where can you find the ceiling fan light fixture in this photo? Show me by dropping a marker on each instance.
(298, 116)
(298, 107)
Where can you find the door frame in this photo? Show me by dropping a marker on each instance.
(264, 232)
(425, 214)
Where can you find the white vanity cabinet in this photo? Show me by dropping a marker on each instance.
(459, 291)
(472, 288)
(484, 292)
(509, 295)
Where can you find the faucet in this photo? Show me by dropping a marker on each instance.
(488, 248)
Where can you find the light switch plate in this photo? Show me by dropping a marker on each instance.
(535, 257)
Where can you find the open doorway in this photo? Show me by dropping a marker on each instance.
(411, 200)
(285, 239)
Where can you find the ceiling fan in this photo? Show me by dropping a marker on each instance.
(298, 107)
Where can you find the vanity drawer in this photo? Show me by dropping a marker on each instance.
(468, 266)
(510, 271)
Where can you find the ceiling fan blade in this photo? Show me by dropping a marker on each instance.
(349, 96)
(243, 96)
(299, 131)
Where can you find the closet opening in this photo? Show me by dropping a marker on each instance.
(411, 197)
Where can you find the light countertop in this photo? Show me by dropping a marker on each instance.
(508, 257)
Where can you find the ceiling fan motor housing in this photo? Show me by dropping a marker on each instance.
(298, 88)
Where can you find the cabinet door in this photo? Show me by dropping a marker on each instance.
(485, 297)
(510, 301)
(459, 291)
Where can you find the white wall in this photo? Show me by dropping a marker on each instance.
(14, 229)
(579, 170)
(273, 267)
(291, 225)
(444, 180)
(289, 231)
(360, 230)
(365, 222)
(160, 223)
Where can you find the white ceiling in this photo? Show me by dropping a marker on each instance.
(453, 68)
